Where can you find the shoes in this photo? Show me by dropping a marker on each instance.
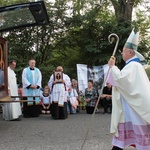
(97, 110)
(43, 112)
(48, 112)
(26, 116)
(18, 119)
(105, 112)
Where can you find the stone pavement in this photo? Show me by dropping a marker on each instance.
(44, 133)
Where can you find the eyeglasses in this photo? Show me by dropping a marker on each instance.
(120, 51)
(124, 50)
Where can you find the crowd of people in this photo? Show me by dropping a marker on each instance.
(126, 96)
(60, 97)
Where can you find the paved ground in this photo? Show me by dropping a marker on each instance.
(44, 133)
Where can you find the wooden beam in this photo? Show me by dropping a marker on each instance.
(10, 99)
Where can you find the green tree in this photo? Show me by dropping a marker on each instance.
(77, 33)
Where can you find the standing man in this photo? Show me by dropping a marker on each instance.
(31, 80)
(59, 92)
(130, 122)
(12, 111)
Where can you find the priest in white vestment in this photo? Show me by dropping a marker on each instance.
(59, 91)
(12, 111)
(130, 123)
(31, 80)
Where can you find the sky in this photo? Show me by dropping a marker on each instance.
(134, 10)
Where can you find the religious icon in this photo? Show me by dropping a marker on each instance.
(58, 76)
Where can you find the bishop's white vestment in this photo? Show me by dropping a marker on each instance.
(130, 123)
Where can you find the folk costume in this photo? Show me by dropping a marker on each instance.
(12, 111)
(59, 97)
(130, 123)
(82, 102)
(31, 76)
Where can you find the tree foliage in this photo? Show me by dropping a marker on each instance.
(77, 34)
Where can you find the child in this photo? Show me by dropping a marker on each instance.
(72, 101)
(45, 100)
(82, 102)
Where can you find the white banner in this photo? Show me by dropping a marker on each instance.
(82, 77)
(95, 73)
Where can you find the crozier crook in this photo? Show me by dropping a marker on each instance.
(111, 39)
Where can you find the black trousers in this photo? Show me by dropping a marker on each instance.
(89, 109)
(59, 112)
(116, 148)
(107, 104)
(31, 110)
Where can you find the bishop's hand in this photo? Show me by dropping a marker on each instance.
(111, 61)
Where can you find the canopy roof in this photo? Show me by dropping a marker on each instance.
(23, 15)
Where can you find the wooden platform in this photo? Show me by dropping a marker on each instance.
(10, 99)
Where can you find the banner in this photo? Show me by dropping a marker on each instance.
(82, 75)
(95, 73)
